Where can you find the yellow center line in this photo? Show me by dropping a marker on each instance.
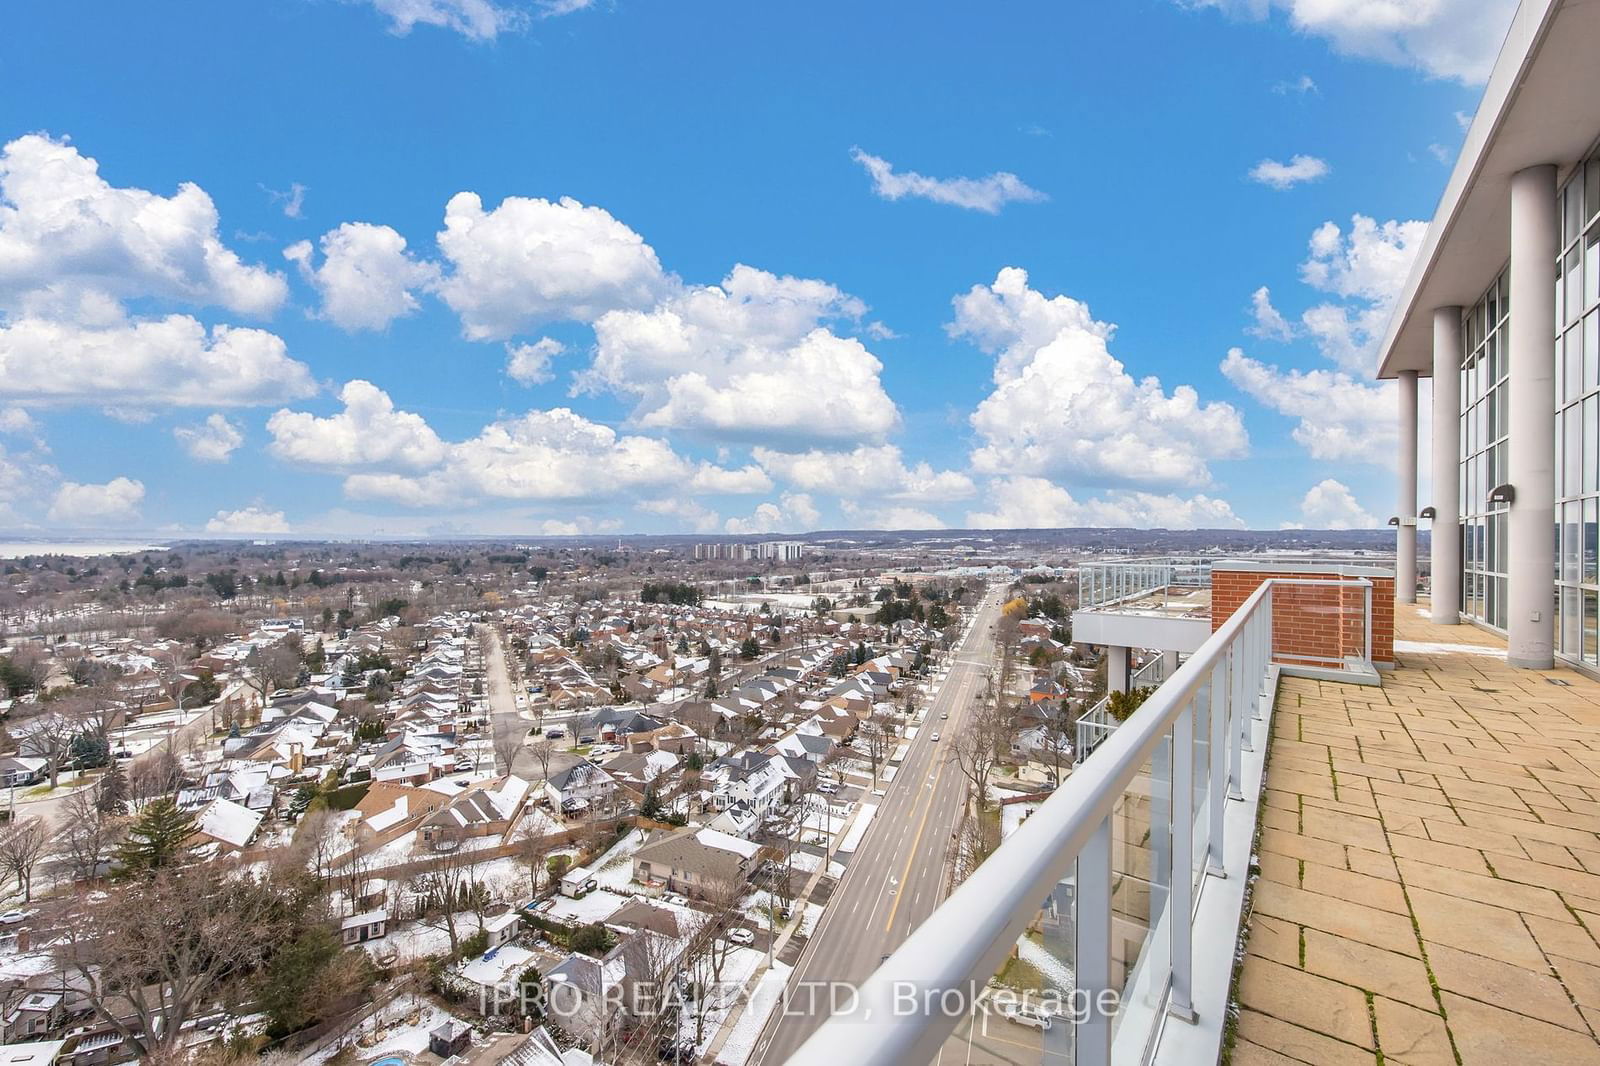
(915, 843)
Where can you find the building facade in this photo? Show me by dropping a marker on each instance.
(1502, 312)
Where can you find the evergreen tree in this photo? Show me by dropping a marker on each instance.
(155, 839)
(749, 649)
(112, 795)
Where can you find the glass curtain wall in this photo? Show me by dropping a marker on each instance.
(1577, 299)
(1485, 396)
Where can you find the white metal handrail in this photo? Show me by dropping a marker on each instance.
(1105, 583)
(1096, 723)
(1203, 715)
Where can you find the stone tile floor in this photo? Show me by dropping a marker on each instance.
(1430, 865)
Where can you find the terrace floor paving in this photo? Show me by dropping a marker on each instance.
(1430, 865)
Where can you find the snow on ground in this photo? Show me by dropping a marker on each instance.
(809, 917)
(1058, 973)
(911, 734)
(401, 1038)
(804, 862)
(835, 869)
(900, 752)
(419, 940)
(737, 974)
(762, 1000)
(888, 773)
(614, 869)
(21, 965)
(595, 907)
(1012, 815)
(858, 829)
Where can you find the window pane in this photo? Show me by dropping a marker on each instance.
(1572, 453)
(1591, 511)
(1591, 270)
(1591, 195)
(1574, 288)
(1570, 514)
(1590, 647)
(1591, 441)
(1574, 365)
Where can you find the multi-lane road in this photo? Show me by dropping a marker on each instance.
(899, 873)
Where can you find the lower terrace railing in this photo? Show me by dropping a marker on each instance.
(1100, 584)
(1097, 722)
(1111, 914)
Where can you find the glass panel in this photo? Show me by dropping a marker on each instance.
(1570, 515)
(1574, 276)
(1591, 349)
(1591, 270)
(1571, 624)
(1589, 634)
(1570, 217)
(1201, 800)
(1591, 188)
(1501, 523)
(1141, 865)
(1590, 443)
(1590, 514)
(1572, 453)
(1574, 365)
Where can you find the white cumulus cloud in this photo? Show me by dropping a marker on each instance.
(247, 520)
(529, 364)
(1329, 504)
(366, 279)
(1063, 406)
(793, 512)
(1269, 324)
(1299, 169)
(114, 501)
(878, 471)
(1366, 269)
(987, 194)
(477, 20)
(1339, 418)
(752, 358)
(532, 260)
(67, 237)
(173, 361)
(1445, 38)
(369, 432)
(1022, 502)
(212, 441)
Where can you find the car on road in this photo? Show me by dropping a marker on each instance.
(936, 736)
(13, 917)
(741, 936)
(555, 732)
(946, 714)
(827, 789)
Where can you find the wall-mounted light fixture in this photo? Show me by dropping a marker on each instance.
(1394, 520)
(1429, 512)
(1505, 494)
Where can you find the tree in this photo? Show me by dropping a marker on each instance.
(111, 796)
(749, 648)
(507, 747)
(90, 836)
(877, 736)
(271, 669)
(149, 956)
(1059, 735)
(543, 750)
(49, 737)
(22, 845)
(156, 836)
(975, 749)
(533, 850)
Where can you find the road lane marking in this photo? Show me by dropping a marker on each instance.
(915, 843)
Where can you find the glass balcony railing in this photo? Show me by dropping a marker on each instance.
(1097, 933)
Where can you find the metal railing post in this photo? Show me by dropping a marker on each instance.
(1246, 687)
(1238, 722)
(1217, 789)
(1180, 1004)
(1093, 1034)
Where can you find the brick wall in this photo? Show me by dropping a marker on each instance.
(1310, 621)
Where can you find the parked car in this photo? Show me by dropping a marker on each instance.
(13, 917)
(741, 936)
(1022, 1014)
(827, 789)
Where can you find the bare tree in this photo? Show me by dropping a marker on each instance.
(22, 845)
(975, 749)
(150, 955)
(272, 669)
(90, 836)
(49, 735)
(507, 747)
(877, 736)
(543, 750)
(444, 883)
(533, 850)
(1058, 734)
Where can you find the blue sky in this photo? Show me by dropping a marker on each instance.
(714, 270)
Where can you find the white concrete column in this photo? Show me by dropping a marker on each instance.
(1535, 240)
(1405, 550)
(1116, 668)
(1446, 538)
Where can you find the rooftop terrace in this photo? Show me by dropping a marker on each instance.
(1430, 865)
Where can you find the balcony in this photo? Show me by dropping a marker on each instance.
(1106, 927)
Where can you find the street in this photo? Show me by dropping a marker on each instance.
(897, 877)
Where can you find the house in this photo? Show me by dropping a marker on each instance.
(359, 928)
(694, 861)
(489, 809)
(33, 1015)
(33, 1053)
(22, 770)
(502, 929)
(451, 1038)
(229, 825)
(579, 787)
(581, 993)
